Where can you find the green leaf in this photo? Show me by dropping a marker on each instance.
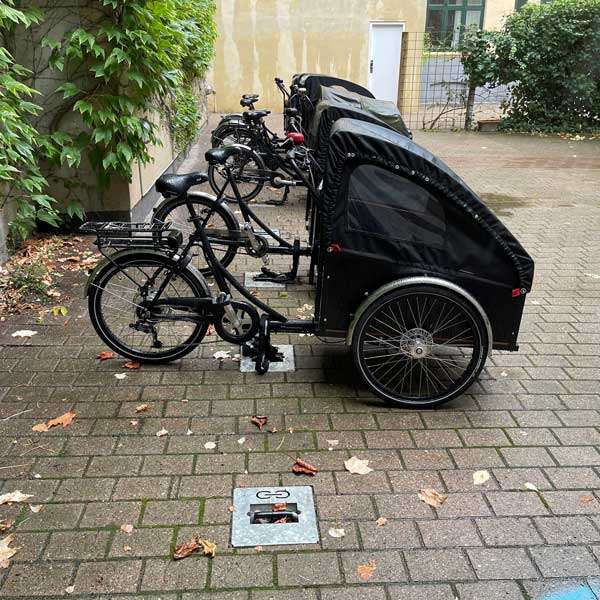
(68, 89)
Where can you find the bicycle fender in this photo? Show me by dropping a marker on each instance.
(121, 254)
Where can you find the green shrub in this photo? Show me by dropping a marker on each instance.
(549, 54)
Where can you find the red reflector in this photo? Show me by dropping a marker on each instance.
(335, 248)
(516, 292)
(297, 138)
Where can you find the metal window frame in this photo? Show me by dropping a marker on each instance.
(463, 6)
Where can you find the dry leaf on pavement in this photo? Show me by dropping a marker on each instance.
(259, 420)
(70, 589)
(36, 508)
(432, 497)
(5, 525)
(64, 420)
(357, 466)
(336, 532)
(161, 432)
(480, 477)
(381, 522)
(365, 572)
(301, 467)
(132, 364)
(141, 408)
(530, 486)
(120, 375)
(16, 496)
(210, 445)
(5, 551)
(126, 528)
(105, 355)
(585, 499)
(190, 546)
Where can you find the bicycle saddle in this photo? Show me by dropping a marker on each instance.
(219, 156)
(247, 101)
(255, 115)
(291, 112)
(177, 185)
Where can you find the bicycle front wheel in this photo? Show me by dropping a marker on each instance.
(115, 302)
(249, 172)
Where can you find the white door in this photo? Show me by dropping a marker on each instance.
(385, 46)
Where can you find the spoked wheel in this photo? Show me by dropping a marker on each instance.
(420, 346)
(249, 171)
(117, 311)
(217, 218)
(232, 132)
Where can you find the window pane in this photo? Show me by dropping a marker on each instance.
(473, 18)
(434, 21)
(436, 2)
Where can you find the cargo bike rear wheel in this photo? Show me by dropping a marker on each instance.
(420, 346)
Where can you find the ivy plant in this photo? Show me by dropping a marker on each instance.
(125, 70)
(21, 145)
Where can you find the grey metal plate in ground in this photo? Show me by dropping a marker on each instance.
(247, 501)
(247, 365)
(251, 283)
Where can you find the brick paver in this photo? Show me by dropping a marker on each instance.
(532, 421)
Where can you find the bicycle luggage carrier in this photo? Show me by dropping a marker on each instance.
(119, 235)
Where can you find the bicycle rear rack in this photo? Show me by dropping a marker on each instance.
(119, 235)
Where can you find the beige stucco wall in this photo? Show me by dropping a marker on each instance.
(261, 39)
(495, 11)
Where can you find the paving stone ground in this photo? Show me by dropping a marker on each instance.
(533, 418)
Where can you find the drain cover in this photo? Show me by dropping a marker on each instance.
(273, 516)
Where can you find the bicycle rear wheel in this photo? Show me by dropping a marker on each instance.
(116, 309)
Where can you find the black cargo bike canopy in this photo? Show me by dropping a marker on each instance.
(338, 104)
(387, 197)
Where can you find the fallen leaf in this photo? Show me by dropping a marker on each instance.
(5, 524)
(5, 551)
(336, 533)
(105, 355)
(24, 333)
(70, 589)
(133, 365)
(189, 432)
(259, 420)
(365, 572)
(141, 408)
(530, 486)
(36, 508)
(120, 375)
(432, 497)
(241, 440)
(64, 420)
(190, 546)
(222, 354)
(381, 522)
(273, 430)
(16, 496)
(301, 467)
(231, 509)
(357, 466)
(162, 432)
(126, 548)
(480, 477)
(585, 499)
(210, 445)
(127, 528)
(279, 506)
(134, 422)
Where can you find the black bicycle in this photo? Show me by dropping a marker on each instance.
(194, 211)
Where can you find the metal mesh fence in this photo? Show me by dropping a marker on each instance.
(434, 91)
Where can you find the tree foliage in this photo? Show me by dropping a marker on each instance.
(548, 56)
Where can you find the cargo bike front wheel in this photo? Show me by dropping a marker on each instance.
(420, 346)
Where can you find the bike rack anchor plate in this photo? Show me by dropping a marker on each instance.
(254, 516)
(248, 365)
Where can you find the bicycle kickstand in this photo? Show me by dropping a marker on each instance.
(262, 352)
(273, 202)
(289, 277)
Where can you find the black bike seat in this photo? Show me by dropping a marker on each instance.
(255, 115)
(247, 101)
(219, 156)
(177, 185)
(291, 112)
